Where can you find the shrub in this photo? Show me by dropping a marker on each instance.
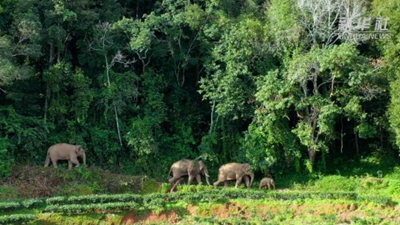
(81, 208)
(7, 193)
(6, 161)
(9, 205)
(393, 187)
(16, 218)
(336, 183)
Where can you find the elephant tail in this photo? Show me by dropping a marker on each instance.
(47, 162)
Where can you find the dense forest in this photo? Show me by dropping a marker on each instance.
(143, 83)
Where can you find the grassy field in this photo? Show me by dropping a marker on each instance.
(84, 197)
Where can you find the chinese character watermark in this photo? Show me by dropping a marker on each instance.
(381, 24)
(359, 29)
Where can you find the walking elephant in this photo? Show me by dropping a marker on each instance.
(63, 151)
(191, 168)
(235, 171)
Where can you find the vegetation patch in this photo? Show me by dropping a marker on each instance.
(35, 182)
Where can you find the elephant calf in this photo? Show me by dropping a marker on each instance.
(63, 151)
(267, 182)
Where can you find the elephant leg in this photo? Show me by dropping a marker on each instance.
(238, 181)
(247, 181)
(47, 162)
(173, 188)
(217, 183)
(171, 180)
(54, 161)
(198, 178)
(190, 179)
(75, 161)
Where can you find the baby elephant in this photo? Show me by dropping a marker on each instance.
(267, 182)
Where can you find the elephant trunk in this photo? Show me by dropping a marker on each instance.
(251, 174)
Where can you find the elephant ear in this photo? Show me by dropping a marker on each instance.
(246, 168)
(201, 164)
(77, 149)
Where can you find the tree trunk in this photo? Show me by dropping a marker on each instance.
(311, 154)
(47, 98)
(356, 136)
(115, 107)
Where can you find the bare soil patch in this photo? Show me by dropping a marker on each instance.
(29, 181)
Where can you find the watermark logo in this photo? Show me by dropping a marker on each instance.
(361, 29)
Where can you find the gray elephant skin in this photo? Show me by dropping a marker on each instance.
(267, 182)
(235, 171)
(63, 151)
(191, 168)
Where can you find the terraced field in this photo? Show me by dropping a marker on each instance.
(206, 205)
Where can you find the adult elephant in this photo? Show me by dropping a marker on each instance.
(235, 171)
(191, 168)
(63, 151)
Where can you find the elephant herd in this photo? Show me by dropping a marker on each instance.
(230, 171)
(185, 167)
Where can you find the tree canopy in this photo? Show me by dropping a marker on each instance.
(292, 85)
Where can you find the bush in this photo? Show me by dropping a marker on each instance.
(79, 208)
(6, 161)
(16, 218)
(393, 187)
(336, 183)
(7, 193)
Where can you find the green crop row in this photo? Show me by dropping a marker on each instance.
(9, 205)
(17, 218)
(79, 208)
(90, 199)
(220, 194)
(29, 203)
(214, 195)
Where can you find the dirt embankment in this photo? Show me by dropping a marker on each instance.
(33, 181)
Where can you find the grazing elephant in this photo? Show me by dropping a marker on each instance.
(267, 182)
(63, 151)
(235, 171)
(192, 168)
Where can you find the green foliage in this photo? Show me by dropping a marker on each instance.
(78, 209)
(6, 158)
(194, 188)
(22, 204)
(17, 218)
(7, 192)
(394, 108)
(74, 202)
(336, 183)
(26, 133)
(241, 205)
(148, 186)
(389, 68)
(9, 205)
(265, 82)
